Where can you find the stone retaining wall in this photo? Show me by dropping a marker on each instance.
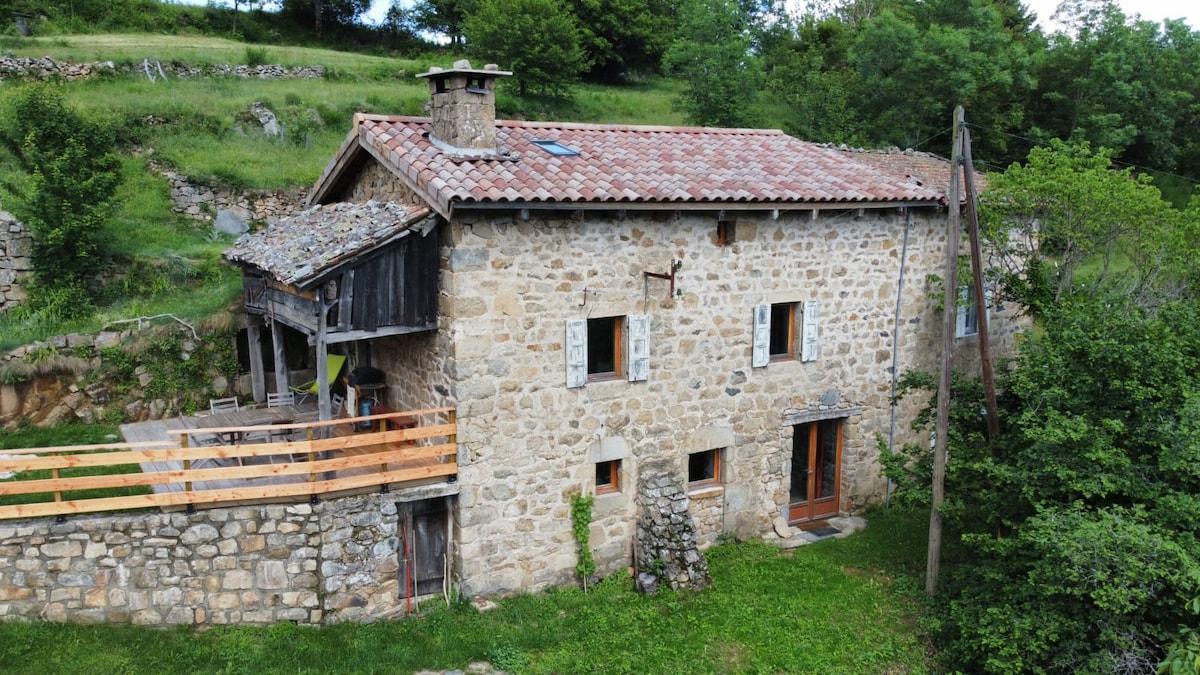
(311, 564)
(24, 67)
(16, 243)
(203, 202)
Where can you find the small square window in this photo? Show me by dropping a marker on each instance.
(726, 232)
(704, 468)
(604, 348)
(783, 331)
(608, 477)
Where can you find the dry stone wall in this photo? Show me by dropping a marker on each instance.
(16, 243)
(311, 564)
(23, 68)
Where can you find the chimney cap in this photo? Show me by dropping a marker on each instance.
(464, 66)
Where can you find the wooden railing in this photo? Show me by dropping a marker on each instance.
(185, 475)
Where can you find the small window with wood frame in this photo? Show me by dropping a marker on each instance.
(704, 468)
(726, 232)
(604, 348)
(783, 331)
(608, 477)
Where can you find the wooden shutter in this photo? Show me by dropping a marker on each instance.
(761, 352)
(639, 347)
(810, 345)
(576, 352)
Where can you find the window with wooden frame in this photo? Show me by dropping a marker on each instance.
(776, 327)
(596, 349)
(604, 348)
(967, 317)
(704, 468)
(783, 331)
(726, 232)
(608, 477)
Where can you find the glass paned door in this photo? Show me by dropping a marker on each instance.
(816, 470)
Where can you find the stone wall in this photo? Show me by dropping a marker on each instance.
(202, 202)
(531, 440)
(667, 541)
(28, 68)
(311, 564)
(16, 243)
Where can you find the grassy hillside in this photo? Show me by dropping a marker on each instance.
(163, 262)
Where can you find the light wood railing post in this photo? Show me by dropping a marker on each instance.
(187, 466)
(453, 440)
(62, 518)
(312, 458)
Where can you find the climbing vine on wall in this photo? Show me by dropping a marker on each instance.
(581, 521)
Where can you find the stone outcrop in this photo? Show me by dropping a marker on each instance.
(311, 564)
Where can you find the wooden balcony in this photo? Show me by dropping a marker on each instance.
(292, 462)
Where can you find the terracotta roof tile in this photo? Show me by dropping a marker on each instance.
(635, 164)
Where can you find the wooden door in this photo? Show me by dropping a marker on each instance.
(815, 490)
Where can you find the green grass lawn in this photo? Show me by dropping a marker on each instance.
(848, 606)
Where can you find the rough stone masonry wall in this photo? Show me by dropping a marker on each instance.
(529, 441)
(16, 244)
(330, 562)
(666, 535)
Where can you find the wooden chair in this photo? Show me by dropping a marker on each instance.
(220, 405)
(281, 399)
(335, 405)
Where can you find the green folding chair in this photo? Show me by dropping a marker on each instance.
(333, 365)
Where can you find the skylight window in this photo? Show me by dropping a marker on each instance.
(555, 148)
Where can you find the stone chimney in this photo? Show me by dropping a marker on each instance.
(463, 108)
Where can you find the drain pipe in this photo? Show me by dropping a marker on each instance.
(896, 343)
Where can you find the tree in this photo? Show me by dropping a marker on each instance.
(622, 38)
(1078, 536)
(323, 14)
(447, 17)
(1066, 208)
(712, 53)
(916, 61)
(70, 175)
(537, 40)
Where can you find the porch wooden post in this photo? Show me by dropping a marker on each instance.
(281, 372)
(258, 385)
(324, 404)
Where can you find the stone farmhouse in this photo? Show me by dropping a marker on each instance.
(702, 322)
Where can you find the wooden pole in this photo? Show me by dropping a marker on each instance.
(281, 372)
(258, 384)
(949, 316)
(985, 352)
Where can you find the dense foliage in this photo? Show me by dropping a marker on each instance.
(64, 194)
(867, 72)
(1078, 529)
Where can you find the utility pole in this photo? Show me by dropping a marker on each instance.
(949, 319)
(985, 353)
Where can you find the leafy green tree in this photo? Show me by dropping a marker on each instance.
(712, 53)
(808, 75)
(537, 40)
(1129, 86)
(916, 61)
(66, 191)
(623, 38)
(324, 14)
(448, 17)
(1078, 541)
(1065, 223)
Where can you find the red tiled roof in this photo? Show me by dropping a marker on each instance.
(684, 166)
